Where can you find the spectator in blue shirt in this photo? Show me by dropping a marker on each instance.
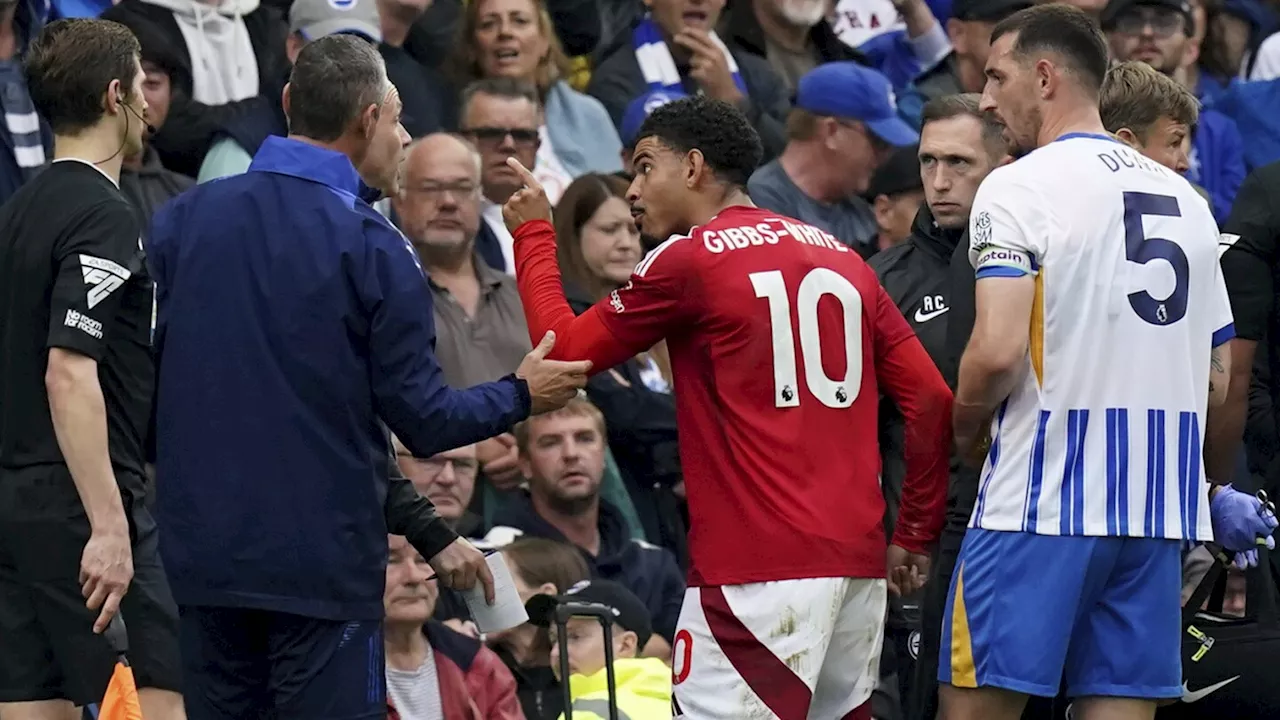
(293, 322)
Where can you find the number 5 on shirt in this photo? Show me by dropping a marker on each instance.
(1142, 249)
(832, 392)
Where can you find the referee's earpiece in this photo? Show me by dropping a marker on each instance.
(151, 129)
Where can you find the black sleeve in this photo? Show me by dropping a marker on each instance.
(960, 322)
(641, 419)
(1248, 263)
(613, 89)
(431, 37)
(1260, 437)
(413, 516)
(191, 128)
(98, 253)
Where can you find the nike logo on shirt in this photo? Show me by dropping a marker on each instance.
(1188, 696)
(922, 316)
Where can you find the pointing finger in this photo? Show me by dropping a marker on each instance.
(525, 176)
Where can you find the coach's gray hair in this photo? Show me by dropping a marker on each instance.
(334, 79)
(970, 104)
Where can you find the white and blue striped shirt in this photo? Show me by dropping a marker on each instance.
(1103, 433)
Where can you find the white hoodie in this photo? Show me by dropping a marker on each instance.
(223, 66)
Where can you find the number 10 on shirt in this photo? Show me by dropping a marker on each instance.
(832, 392)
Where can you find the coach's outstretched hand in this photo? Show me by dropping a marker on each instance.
(528, 203)
(106, 569)
(905, 570)
(460, 565)
(552, 383)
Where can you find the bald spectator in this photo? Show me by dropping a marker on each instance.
(480, 329)
(843, 126)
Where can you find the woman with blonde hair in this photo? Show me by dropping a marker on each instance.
(515, 38)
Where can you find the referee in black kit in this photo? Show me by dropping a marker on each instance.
(1250, 250)
(76, 379)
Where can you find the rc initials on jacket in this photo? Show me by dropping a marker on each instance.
(931, 307)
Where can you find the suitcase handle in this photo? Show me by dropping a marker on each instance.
(604, 614)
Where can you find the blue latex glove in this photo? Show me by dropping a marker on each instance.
(1240, 522)
(1247, 559)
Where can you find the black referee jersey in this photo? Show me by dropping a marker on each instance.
(1250, 246)
(73, 276)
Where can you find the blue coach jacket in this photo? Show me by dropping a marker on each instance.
(293, 320)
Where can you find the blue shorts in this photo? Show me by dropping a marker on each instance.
(240, 664)
(1027, 611)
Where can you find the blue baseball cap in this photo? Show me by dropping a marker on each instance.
(850, 91)
(639, 109)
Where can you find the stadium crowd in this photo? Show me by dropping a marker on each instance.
(868, 114)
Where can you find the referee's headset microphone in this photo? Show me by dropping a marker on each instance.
(151, 130)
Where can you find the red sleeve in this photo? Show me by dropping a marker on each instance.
(630, 320)
(910, 378)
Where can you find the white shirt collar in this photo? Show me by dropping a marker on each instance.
(95, 167)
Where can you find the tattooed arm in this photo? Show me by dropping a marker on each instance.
(1219, 374)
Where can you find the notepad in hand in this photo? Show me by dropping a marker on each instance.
(507, 611)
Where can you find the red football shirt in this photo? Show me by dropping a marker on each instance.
(780, 338)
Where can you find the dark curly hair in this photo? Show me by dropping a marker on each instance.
(719, 130)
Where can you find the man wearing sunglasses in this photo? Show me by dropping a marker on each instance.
(1158, 32)
(500, 116)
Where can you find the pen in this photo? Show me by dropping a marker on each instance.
(487, 553)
